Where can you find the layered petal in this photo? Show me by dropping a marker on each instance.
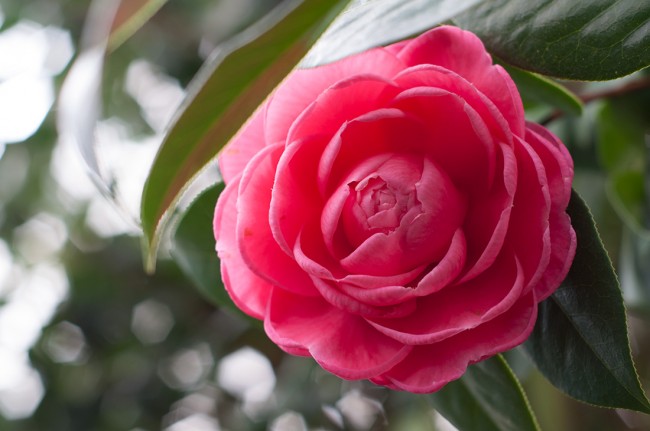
(488, 217)
(303, 86)
(463, 52)
(342, 102)
(385, 291)
(258, 249)
(460, 307)
(295, 181)
(427, 368)
(529, 231)
(340, 342)
(247, 290)
(326, 275)
(457, 138)
(559, 168)
(433, 76)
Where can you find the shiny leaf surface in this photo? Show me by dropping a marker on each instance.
(580, 340)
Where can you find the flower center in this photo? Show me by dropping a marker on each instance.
(382, 198)
(383, 205)
(396, 203)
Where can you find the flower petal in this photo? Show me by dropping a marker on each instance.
(488, 217)
(340, 342)
(366, 289)
(559, 168)
(343, 101)
(432, 76)
(428, 368)
(460, 307)
(529, 229)
(329, 286)
(464, 53)
(295, 181)
(362, 138)
(459, 141)
(303, 86)
(257, 246)
(248, 291)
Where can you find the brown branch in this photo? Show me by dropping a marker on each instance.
(607, 93)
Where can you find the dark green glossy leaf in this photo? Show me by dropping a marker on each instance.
(540, 89)
(587, 40)
(370, 23)
(130, 16)
(580, 340)
(487, 398)
(232, 83)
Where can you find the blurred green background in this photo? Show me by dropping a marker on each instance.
(88, 341)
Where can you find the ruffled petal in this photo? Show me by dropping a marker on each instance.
(340, 342)
(458, 140)
(432, 76)
(488, 217)
(529, 231)
(559, 170)
(364, 288)
(295, 182)
(308, 252)
(257, 246)
(460, 307)
(343, 101)
(248, 291)
(464, 53)
(428, 368)
(303, 86)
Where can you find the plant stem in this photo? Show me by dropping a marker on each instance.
(606, 93)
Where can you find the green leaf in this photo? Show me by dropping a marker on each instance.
(130, 16)
(232, 83)
(580, 339)
(370, 23)
(586, 40)
(193, 247)
(487, 398)
(193, 250)
(540, 89)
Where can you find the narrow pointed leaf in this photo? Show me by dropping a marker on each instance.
(130, 16)
(369, 23)
(580, 340)
(223, 95)
(587, 40)
(487, 398)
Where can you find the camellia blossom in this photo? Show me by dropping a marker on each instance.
(393, 216)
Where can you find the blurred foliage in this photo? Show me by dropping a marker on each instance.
(127, 379)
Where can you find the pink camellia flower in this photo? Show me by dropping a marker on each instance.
(392, 214)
